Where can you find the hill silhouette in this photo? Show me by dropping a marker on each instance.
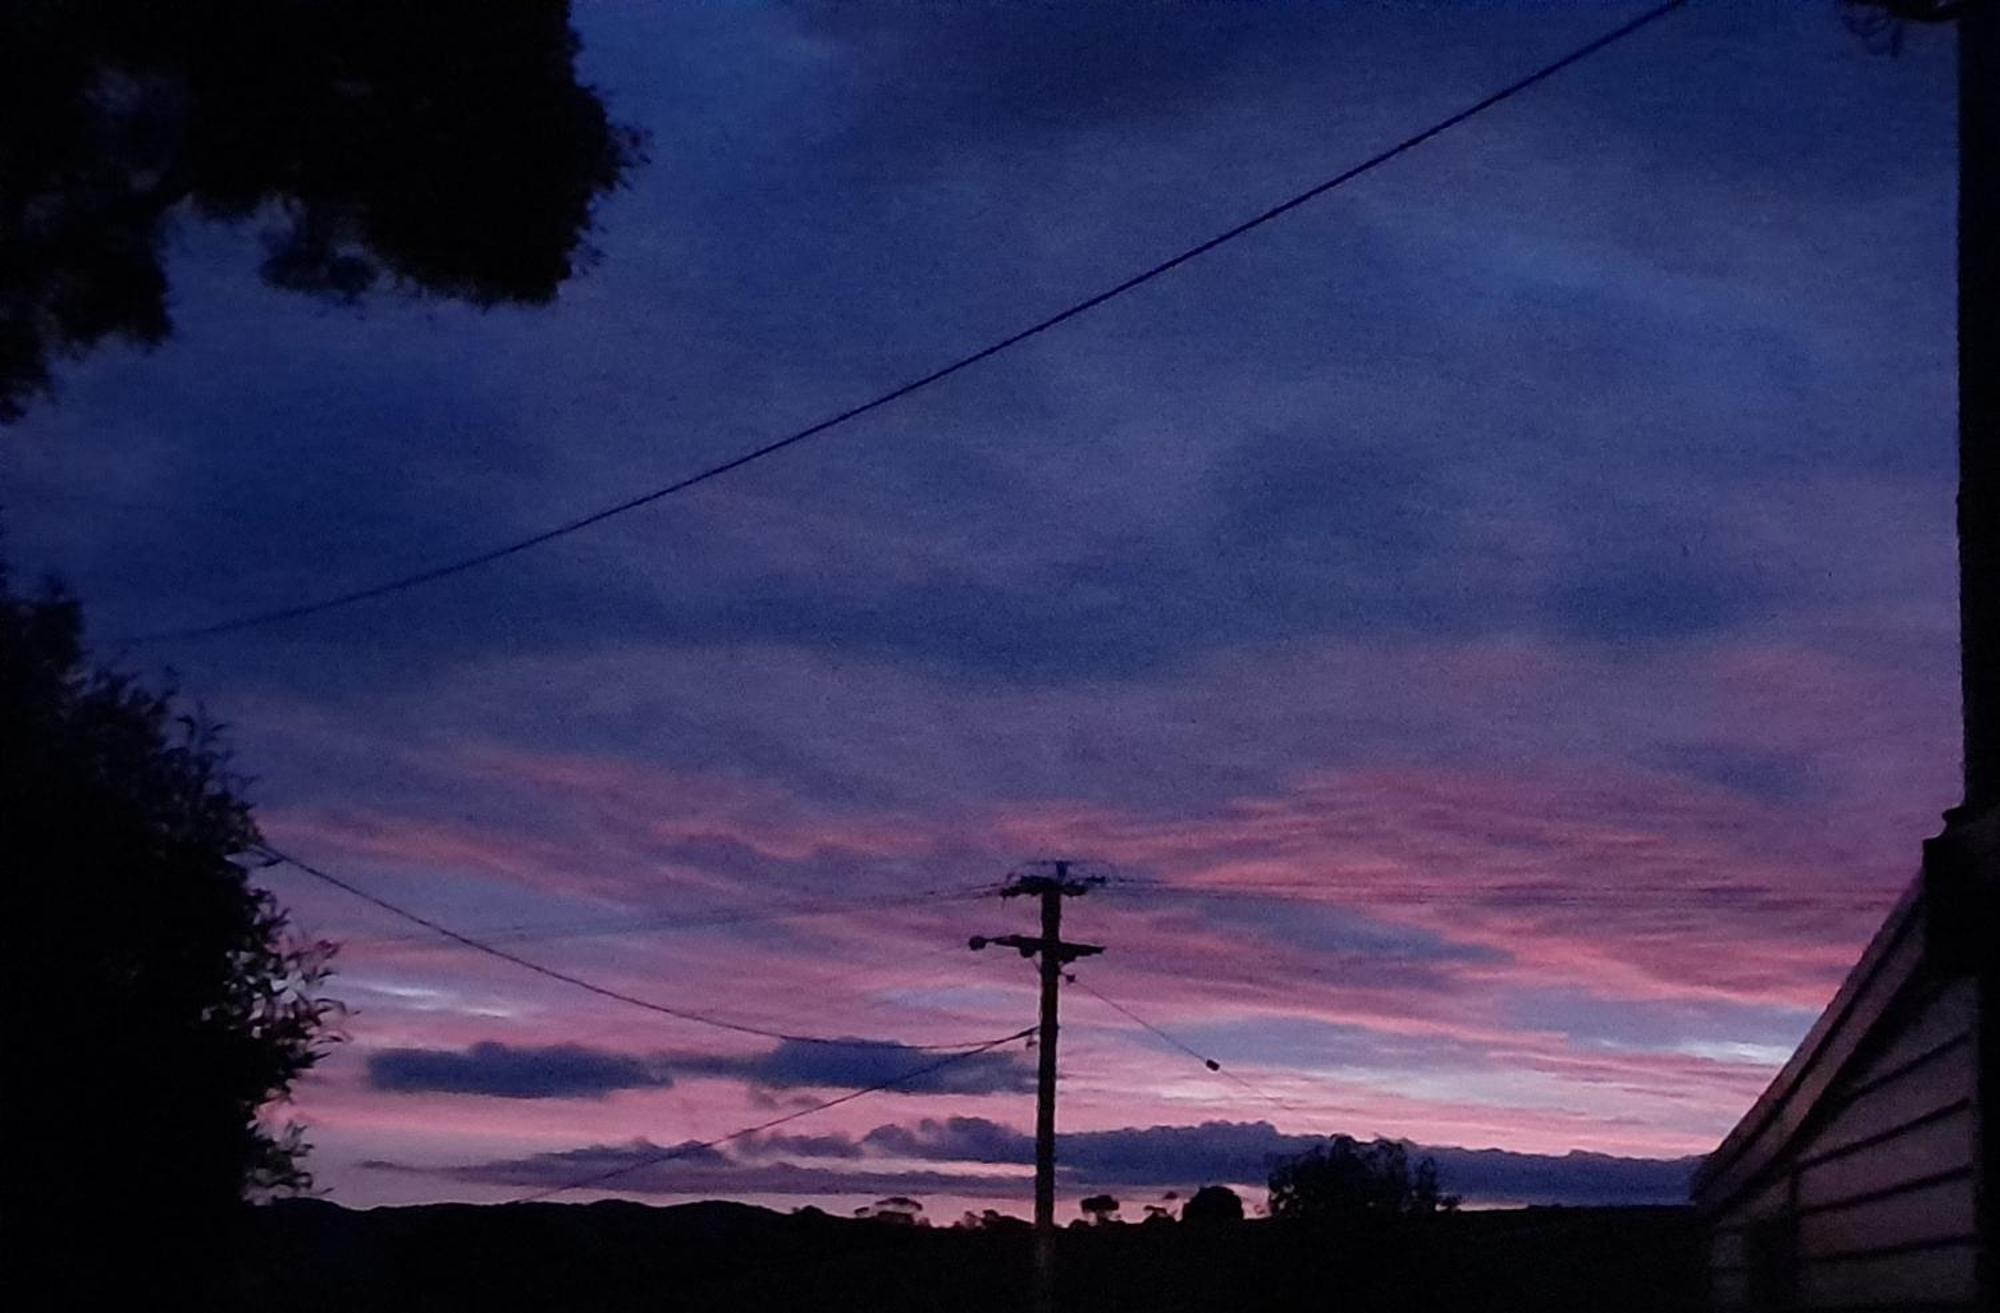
(315, 1257)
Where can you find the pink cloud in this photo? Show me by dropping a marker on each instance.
(1422, 907)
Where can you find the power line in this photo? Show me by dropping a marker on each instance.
(1206, 1061)
(434, 573)
(602, 991)
(682, 1150)
(1102, 997)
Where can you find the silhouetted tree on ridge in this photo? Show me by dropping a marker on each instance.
(897, 1210)
(157, 1004)
(446, 147)
(1213, 1206)
(1343, 1180)
(1101, 1209)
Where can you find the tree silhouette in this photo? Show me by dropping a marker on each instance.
(1345, 1181)
(157, 1004)
(1099, 1208)
(444, 147)
(1213, 1205)
(897, 1210)
(1426, 1190)
(991, 1220)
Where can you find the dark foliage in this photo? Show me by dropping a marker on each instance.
(1099, 1208)
(992, 1220)
(1213, 1205)
(612, 1257)
(896, 1210)
(1346, 1181)
(155, 1001)
(445, 147)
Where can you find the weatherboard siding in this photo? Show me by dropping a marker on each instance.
(1778, 1117)
(1926, 1278)
(1853, 1185)
(1926, 1214)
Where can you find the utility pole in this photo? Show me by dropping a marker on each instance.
(1051, 882)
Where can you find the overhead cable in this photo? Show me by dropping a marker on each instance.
(699, 1146)
(444, 570)
(591, 986)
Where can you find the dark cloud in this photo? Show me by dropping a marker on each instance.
(1239, 1153)
(570, 1165)
(979, 70)
(1243, 1152)
(952, 1139)
(561, 1071)
(1766, 775)
(1498, 1176)
(780, 1145)
(1551, 337)
(645, 1168)
(863, 1062)
(573, 1071)
(1649, 600)
(1180, 1155)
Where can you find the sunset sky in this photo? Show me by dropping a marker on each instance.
(1498, 621)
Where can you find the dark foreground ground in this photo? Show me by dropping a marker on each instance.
(610, 1257)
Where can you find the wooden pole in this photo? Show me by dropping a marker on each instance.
(1054, 955)
(1045, 1096)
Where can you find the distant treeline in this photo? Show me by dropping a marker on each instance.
(314, 1257)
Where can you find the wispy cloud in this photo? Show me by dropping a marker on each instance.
(1156, 1157)
(1502, 615)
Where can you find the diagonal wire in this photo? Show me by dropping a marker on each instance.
(591, 986)
(447, 569)
(682, 1150)
(1196, 1054)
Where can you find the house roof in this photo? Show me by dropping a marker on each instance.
(1780, 1113)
